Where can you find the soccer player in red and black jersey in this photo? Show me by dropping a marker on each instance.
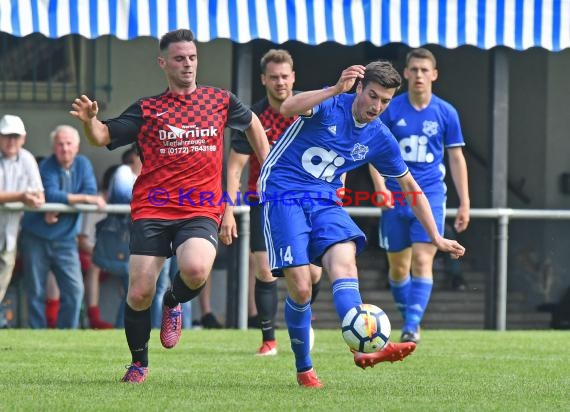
(278, 77)
(177, 204)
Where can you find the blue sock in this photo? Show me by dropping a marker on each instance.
(345, 295)
(401, 293)
(420, 292)
(298, 320)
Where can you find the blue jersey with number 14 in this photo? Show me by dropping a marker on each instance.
(316, 150)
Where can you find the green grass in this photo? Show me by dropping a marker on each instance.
(215, 371)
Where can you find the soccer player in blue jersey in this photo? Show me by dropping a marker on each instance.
(425, 127)
(304, 221)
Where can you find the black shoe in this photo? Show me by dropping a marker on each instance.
(410, 337)
(209, 321)
(458, 283)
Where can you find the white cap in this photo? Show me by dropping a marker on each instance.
(10, 124)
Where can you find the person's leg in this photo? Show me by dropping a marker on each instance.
(92, 288)
(162, 285)
(298, 319)
(335, 241)
(7, 263)
(67, 270)
(420, 289)
(195, 245)
(423, 253)
(394, 235)
(53, 296)
(149, 247)
(252, 315)
(289, 245)
(316, 275)
(339, 263)
(186, 306)
(399, 264)
(266, 300)
(144, 271)
(35, 267)
(265, 287)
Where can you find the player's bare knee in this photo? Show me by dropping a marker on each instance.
(139, 298)
(195, 271)
(195, 279)
(399, 272)
(422, 263)
(301, 294)
(316, 273)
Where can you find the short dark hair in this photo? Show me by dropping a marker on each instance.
(108, 176)
(128, 154)
(420, 53)
(275, 56)
(383, 73)
(175, 36)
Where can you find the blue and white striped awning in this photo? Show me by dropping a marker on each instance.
(518, 24)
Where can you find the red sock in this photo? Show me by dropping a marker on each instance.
(93, 313)
(95, 318)
(52, 309)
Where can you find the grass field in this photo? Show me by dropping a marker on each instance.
(215, 371)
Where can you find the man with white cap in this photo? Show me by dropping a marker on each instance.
(20, 181)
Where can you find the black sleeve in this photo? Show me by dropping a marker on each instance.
(240, 143)
(239, 140)
(125, 128)
(239, 115)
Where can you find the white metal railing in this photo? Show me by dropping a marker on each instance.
(502, 215)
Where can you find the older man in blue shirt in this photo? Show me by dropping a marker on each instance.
(49, 239)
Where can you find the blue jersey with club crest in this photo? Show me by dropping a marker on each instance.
(314, 152)
(423, 136)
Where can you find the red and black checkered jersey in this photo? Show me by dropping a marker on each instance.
(274, 124)
(180, 139)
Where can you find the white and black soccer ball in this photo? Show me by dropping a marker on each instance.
(366, 328)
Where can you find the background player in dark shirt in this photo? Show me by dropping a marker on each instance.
(177, 202)
(278, 77)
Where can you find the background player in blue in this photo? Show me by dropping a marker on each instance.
(424, 126)
(303, 219)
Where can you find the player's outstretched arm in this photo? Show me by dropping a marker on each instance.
(257, 138)
(86, 111)
(303, 103)
(422, 210)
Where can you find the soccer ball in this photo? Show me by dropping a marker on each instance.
(366, 328)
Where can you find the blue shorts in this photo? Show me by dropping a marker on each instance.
(300, 232)
(399, 227)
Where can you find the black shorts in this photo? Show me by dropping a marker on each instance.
(160, 237)
(257, 239)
